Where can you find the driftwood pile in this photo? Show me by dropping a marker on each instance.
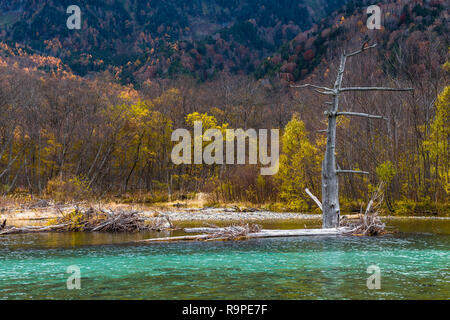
(369, 223)
(234, 232)
(104, 221)
(243, 232)
(231, 232)
(92, 220)
(366, 225)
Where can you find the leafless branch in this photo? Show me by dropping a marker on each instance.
(319, 204)
(352, 171)
(374, 89)
(361, 50)
(307, 85)
(358, 114)
(329, 93)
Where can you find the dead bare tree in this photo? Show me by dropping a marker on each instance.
(330, 188)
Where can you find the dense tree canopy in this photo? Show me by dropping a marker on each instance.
(94, 134)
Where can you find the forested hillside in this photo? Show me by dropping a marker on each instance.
(90, 113)
(141, 39)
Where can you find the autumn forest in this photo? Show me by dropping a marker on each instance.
(78, 123)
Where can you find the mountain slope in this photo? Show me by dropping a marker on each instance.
(138, 40)
(403, 22)
(161, 37)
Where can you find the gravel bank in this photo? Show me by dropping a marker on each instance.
(225, 214)
(40, 216)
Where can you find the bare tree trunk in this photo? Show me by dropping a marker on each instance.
(136, 159)
(330, 182)
(330, 187)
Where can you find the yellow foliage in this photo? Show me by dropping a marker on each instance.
(299, 166)
(438, 141)
(76, 188)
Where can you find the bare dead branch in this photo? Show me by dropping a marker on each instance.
(319, 204)
(328, 93)
(363, 48)
(374, 89)
(358, 114)
(352, 171)
(307, 85)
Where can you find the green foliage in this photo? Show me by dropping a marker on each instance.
(421, 208)
(76, 220)
(267, 68)
(246, 33)
(386, 172)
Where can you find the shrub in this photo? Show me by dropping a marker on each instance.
(76, 189)
(421, 208)
(386, 172)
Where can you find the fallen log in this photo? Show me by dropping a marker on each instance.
(297, 233)
(181, 238)
(202, 230)
(265, 233)
(32, 229)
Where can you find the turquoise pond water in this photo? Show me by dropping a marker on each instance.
(414, 265)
